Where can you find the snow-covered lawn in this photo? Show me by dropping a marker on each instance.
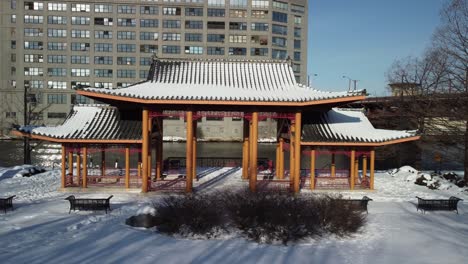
(40, 230)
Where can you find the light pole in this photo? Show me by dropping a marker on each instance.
(349, 83)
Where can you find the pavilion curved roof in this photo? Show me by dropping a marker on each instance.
(350, 126)
(90, 123)
(221, 80)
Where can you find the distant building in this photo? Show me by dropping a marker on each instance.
(405, 89)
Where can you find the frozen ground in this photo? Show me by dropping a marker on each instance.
(40, 230)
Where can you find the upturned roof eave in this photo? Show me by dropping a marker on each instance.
(360, 144)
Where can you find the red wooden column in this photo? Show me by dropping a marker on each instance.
(281, 159)
(127, 166)
(78, 167)
(312, 169)
(144, 150)
(352, 169)
(189, 153)
(292, 145)
(159, 149)
(245, 149)
(150, 147)
(194, 150)
(297, 151)
(372, 164)
(85, 166)
(333, 166)
(254, 153)
(64, 170)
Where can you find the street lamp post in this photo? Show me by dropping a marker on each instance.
(349, 83)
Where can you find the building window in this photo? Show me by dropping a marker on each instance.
(103, 85)
(260, 3)
(105, 73)
(215, 51)
(13, 44)
(126, 22)
(171, 11)
(216, 12)
(216, 2)
(34, 58)
(126, 61)
(103, 60)
(279, 54)
(280, 5)
(149, 36)
(34, 84)
(148, 48)
(57, 20)
(123, 84)
(193, 37)
(28, 19)
(189, 24)
(237, 25)
(13, 19)
(280, 17)
(296, 68)
(56, 85)
(79, 84)
(171, 36)
(79, 46)
(259, 26)
(10, 115)
(81, 8)
(237, 13)
(126, 9)
(80, 72)
(126, 73)
(297, 56)
(33, 45)
(280, 30)
(237, 51)
(215, 25)
(154, 23)
(57, 72)
(75, 33)
(190, 11)
(297, 44)
(215, 38)
(56, 98)
(57, 7)
(56, 45)
(79, 99)
(259, 13)
(80, 20)
(237, 38)
(13, 4)
(53, 115)
(79, 59)
(103, 21)
(13, 57)
(171, 23)
(277, 41)
(103, 47)
(238, 3)
(102, 8)
(170, 49)
(126, 48)
(102, 34)
(33, 6)
(126, 35)
(145, 61)
(56, 59)
(193, 50)
(259, 51)
(149, 10)
(297, 32)
(143, 74)
(297, 8)
(33, 32)
(56, 33)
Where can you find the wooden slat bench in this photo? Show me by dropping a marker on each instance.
(6, 203)
(449, 204)
(359, 204)
(90, 204)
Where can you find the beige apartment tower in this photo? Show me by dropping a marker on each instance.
(48, 48)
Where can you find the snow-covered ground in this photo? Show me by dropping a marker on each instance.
(40, 230)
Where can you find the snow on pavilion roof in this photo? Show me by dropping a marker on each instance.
(91, 122)
(346, 125)
(221, 80)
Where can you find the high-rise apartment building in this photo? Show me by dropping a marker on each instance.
(47, 48)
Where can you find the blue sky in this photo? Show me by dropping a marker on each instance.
(362, 38)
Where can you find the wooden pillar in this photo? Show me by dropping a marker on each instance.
(127, 166)
(194, 150)
(333, 165)
(85, 167)
(297, 152)
(281, 159)
(78, 167)
(103, 160)
(245, 149)
(364, 166)
(291, 154)
(277, 160)
(144, 150)
(356, 171)
(150, 148)
(372, 164)
(64, 170)
(253, 160)
(351, 169)
(159, 150)
(189, 152)
(250, 148)
(312, 169)
(70, 162)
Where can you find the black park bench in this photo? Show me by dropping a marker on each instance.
(449, 204)
(89, 204)
(6, 203)
(358, 204)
